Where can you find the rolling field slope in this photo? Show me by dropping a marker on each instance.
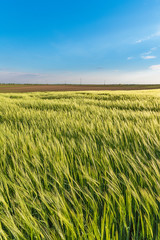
(80, 165)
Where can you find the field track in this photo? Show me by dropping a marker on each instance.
(11, 88)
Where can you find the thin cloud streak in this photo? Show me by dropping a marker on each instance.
(155, 67)
(157, 34)
(148, 57)
(130, 58)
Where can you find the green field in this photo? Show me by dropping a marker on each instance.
(80, 165)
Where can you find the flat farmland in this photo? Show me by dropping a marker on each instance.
(11, 88)
(80, 165)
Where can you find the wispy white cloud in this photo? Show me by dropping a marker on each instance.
(130, 58)
(139, 41)
(154, 48)
(147, 53)
(149, 37)
(148, 57)
(155, 67)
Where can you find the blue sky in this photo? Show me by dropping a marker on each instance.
(56, 41)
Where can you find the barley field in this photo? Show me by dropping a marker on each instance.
(80, 165)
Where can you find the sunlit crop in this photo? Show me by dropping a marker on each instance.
(80, 165)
